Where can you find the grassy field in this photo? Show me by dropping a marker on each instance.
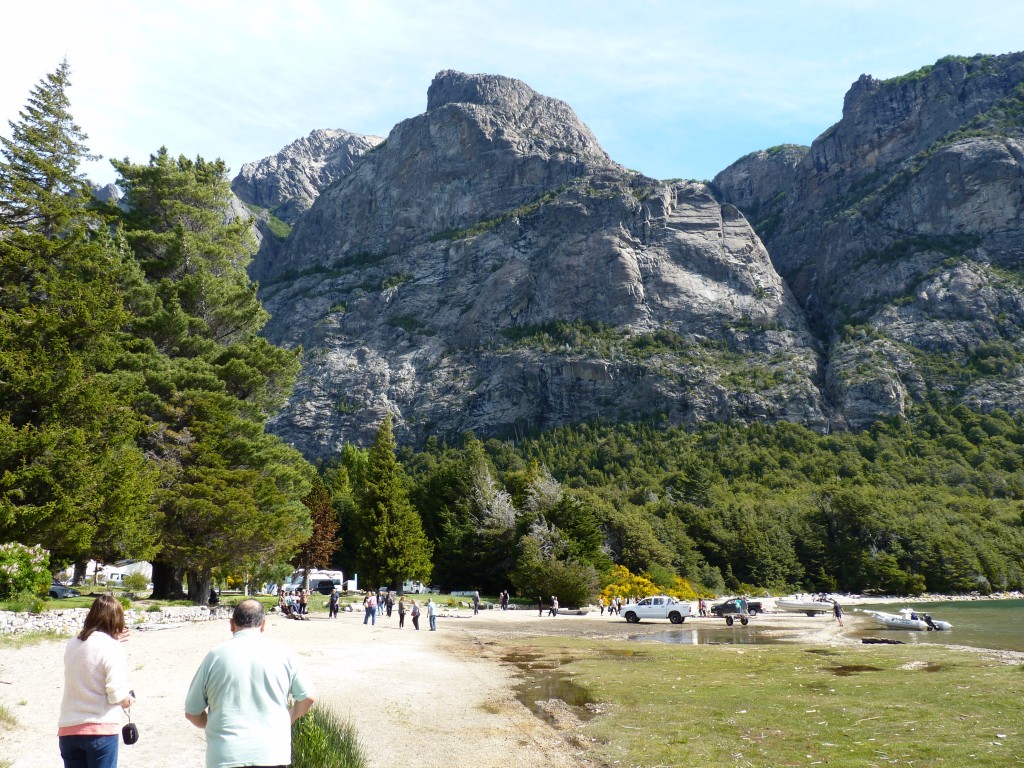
(790, 705)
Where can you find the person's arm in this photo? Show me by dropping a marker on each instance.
(300, 707)
(199, 721)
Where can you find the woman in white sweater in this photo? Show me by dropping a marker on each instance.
(95, 689)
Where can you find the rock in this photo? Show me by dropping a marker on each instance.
(288, 182)
(489, 268)
(903, 219)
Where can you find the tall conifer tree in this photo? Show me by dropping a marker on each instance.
(71, 475)
(393, 546)
(231, 493)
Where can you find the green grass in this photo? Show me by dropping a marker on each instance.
(782, 705)
(22, 639)
(322, 739)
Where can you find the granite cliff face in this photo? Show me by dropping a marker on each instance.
(900, 233)
(489, 267)
(288, 183)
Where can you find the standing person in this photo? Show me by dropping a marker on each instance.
(303, 601)
(701, 609)
(370, 604)
(476, 602)
(415, 613)
(837, 611)
(389, 603)
(540, 606)
(401, 611)
(95, 689)
(600, 604)
(332, 604)
(553, 611)
(240, 695)
(432, 614)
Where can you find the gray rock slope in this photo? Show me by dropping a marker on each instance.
(900, 233)
(488, 267)
(287, 183)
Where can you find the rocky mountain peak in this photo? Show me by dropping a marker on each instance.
(452, 87)
(287, 183)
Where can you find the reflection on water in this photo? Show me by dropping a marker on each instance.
(710, 636)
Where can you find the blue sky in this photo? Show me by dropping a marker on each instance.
(671, 89)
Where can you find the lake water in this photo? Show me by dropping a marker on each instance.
(995, 624)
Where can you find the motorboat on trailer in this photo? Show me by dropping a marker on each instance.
(809, 604)
(908, 618)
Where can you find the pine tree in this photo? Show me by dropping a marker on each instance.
(232, 493)
(73, 478)
(393, 547)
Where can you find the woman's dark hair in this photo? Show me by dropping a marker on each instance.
(105, 615)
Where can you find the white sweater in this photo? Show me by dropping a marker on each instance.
(95, 681)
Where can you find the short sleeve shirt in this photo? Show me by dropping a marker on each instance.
(245, 683)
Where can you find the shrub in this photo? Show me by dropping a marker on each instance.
(26, 602)
(126, 602)
(23, 570)
(136, 582)
(322, 740)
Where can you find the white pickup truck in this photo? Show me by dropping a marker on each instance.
(657, 607)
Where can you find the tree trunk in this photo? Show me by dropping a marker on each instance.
(166, 581)
(199, 585)
(80, 573)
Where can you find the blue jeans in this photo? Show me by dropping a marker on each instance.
(89, 751)
(371, 613)
(433, 622)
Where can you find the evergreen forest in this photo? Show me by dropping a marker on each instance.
(135, 389)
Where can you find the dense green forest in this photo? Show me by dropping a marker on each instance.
(135, 388)
(931, 503)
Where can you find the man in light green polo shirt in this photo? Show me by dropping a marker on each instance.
(240, 696)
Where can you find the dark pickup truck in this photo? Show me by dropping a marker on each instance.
(731, 605)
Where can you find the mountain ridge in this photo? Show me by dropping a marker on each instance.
(488, 267)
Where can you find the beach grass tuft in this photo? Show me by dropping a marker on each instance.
(727, 705)
(7, 718)
(322, 739)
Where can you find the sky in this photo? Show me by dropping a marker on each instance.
(673, 89)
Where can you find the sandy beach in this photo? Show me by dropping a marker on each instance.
(416, 698)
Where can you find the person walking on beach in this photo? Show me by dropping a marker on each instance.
(241, 692)
(415, 614)
(837, 611)
(553, 611)
(332, 604)
(401, 611)
(432, 614)
(476, 602)
(370, 604)
(95, 688)
(540, 606)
